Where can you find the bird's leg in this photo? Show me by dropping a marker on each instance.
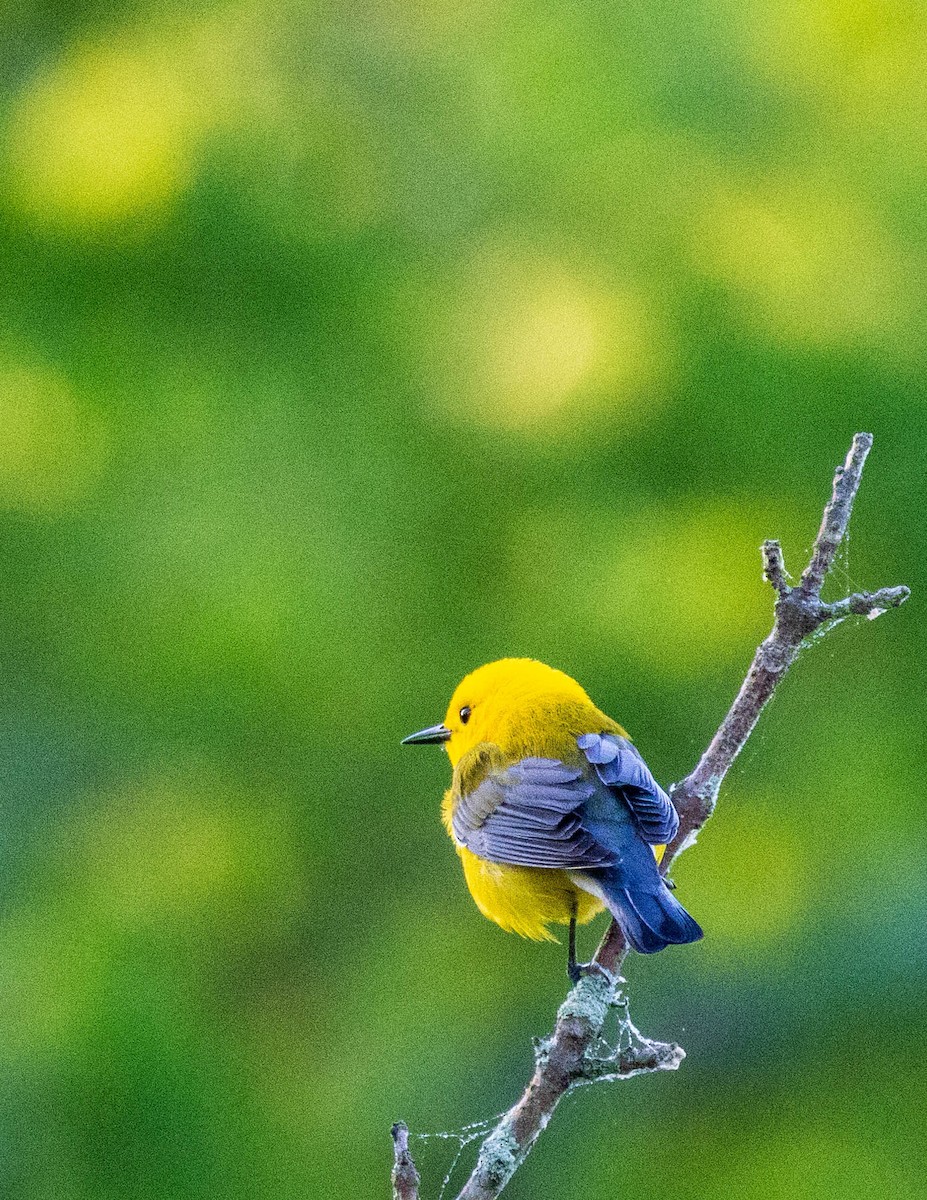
(574, 970)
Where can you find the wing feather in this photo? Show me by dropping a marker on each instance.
(618, 764)
(541, 812)
(530, 815)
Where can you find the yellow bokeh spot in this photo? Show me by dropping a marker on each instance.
(866, 56)
(678, 587)
(52, 447)
(814, 1151)
(102, 136)
(543, 348)
(666, 576)
(748, 880)
(178, 851)
(181, 858)
(533, 344)
(809, 265)
(49, 979)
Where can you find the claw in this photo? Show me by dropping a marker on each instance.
(577, 970)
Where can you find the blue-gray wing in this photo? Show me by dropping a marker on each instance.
(619, 765)
(531, 815)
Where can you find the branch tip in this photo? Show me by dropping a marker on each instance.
(774, 571)
(836, 516)
(405, 1178)
(635, 1060)
(868, 604)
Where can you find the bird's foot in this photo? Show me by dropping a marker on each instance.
(576, 970)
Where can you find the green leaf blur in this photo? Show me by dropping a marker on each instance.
(345, 347)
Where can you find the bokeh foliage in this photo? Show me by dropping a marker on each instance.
(344, 347)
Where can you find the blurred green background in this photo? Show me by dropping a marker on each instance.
(345, 346)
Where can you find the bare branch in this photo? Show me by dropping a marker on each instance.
(636, 1060)
(562, 1061)
(799, 612)
(567, 1058)
(405, 1177)
(868, 604)
(774, 566)
(836, 516)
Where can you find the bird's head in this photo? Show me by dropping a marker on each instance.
(501, 702)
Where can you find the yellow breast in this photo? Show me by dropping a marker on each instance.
(526, 900)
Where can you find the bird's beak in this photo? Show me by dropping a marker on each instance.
(434, 735)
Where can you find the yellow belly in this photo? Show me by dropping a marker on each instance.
(526, 900)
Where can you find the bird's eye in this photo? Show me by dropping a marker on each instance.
(465, 714)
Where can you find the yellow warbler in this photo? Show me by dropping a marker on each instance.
(553, 811)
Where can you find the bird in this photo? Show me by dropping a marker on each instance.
(553, 811)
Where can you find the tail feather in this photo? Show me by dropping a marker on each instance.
(647, 911)
(652, 920)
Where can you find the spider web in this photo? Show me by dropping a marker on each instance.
(614, 1048)
(619, 1036)
(464, 1136)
